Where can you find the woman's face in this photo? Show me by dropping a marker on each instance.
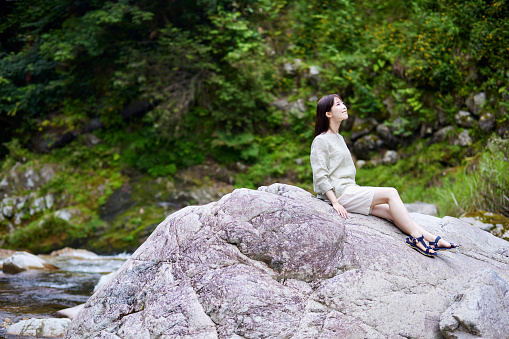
(338, 111)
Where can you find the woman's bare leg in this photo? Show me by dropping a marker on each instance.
(388, 204)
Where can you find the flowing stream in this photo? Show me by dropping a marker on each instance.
(40, 294)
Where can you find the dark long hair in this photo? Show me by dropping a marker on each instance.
(324, 105)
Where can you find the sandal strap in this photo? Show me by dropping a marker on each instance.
(427, 247)
(435, 243)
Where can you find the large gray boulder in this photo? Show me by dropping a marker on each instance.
(279, 263)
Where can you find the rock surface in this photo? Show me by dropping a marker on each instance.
(279, 263)
(23, 261)
(481, 309)
(40, 328)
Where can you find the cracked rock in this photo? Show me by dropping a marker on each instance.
(279, 263)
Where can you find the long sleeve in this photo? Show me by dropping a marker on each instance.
(332, 165)
(319, 159)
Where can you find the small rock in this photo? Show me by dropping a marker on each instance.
(49, 200)
(281, 104)
(289, 69)
(23, 261)
(487, 122)
(298, 107)
(21, 203)
(464, 119)
(481, 310)
(422, 207)
(30, 176)
(390, 157)
(8, 211)
(314, 70)
(366, 144)
(71, 312)
(476, 102)
(47, 173)
(17, 218)
(362, 127)
(375, 162)
(314, 75)
(74, 253)
(38, 205)
(298, 161)
(6, 323)
(64, 214)
(442, 134)
(503, 130)
(360, 164)
(463, 139)
(386, 135)
(92, 140)
(4, 182)
(45, 328)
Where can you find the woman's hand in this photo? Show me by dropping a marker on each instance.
(340, 209)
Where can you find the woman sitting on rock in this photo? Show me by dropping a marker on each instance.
(334, 180)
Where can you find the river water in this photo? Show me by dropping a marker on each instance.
(40, 294)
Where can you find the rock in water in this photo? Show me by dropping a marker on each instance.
(40, 328)
(74, 253)
(71, 312)
(279, 263)
(23, 261)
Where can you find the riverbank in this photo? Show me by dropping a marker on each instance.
(40, 294)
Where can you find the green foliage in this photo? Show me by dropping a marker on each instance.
(40, 236)
(477, 184)
(17, 153)
(211, 71)
(279, 158)
(483, 185)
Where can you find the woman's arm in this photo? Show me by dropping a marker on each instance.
(335, 204)
(319, 159)
(319, 163)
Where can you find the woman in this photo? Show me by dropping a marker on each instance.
(334, 180)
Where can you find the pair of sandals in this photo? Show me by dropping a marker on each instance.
(412, 242)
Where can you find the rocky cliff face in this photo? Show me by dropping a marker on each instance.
(279, 263)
